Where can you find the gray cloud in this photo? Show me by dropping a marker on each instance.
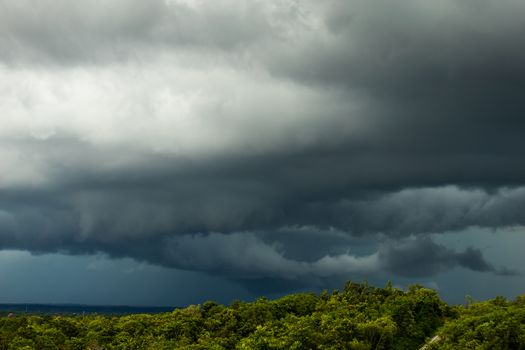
(262, 140)
(60, 32)
(246, 257)
(421, 257)
(437, 210)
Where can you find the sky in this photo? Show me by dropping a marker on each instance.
(168, 152)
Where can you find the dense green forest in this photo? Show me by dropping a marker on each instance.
(357, 317)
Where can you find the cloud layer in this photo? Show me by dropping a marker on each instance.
(199, 134)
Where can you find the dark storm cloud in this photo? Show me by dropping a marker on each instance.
(421, 257)
(443, 84)
(268, 140)
(423, 52)
(165, 215)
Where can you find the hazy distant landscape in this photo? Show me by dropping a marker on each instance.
(72, 309)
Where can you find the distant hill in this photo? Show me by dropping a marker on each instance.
(358, 316)
(74, 309)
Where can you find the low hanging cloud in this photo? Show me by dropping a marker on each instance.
(196, 134)
(421, 257)
(244, 255)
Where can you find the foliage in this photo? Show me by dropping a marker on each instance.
(494, 324)
(357, 317)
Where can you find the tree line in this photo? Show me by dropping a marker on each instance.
(358, 316)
